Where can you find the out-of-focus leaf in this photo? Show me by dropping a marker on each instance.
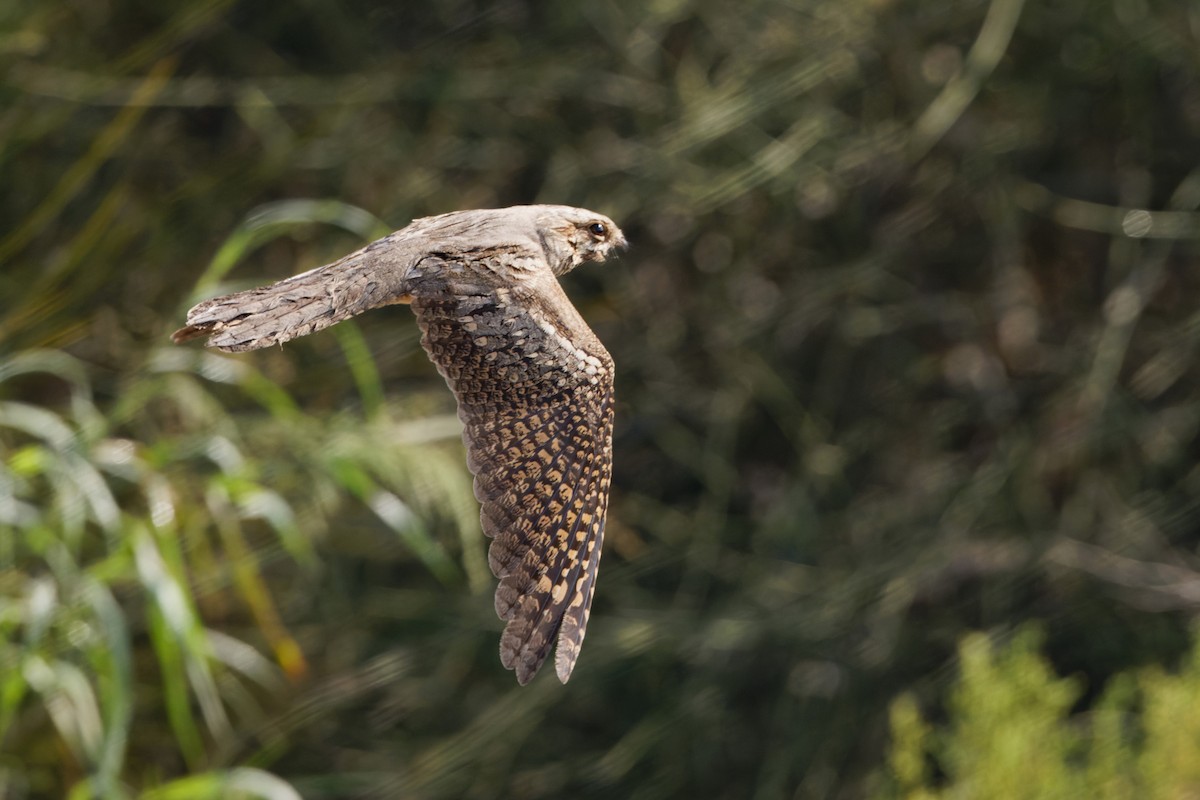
(240, 783)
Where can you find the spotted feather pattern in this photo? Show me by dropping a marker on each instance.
(537, 416)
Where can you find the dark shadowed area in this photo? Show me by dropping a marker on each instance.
(905, 501)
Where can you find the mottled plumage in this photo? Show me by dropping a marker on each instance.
(533, 383)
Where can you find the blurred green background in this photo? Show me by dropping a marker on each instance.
(905, 503)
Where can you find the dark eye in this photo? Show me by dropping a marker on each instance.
(598, 229)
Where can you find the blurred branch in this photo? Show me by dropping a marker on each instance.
(1124, 306)
(712, 115)
(1136, 223)
(957, 94)
(103, 147)
(1160, 587)
(199, 91)
(379, 87)
(777, 158)
(270, 220)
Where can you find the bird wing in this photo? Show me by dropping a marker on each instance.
(535, 394)
(374, 276)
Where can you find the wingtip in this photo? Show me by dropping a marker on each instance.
(521, 669)
(564, 659)
(525, 673)
(189, 332)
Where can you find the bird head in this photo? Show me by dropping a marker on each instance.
(572, 236)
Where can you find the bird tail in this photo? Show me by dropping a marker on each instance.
(299, 305)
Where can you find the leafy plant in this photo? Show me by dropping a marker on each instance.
(158, 502)
(1011, 731)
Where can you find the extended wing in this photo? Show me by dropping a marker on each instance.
(537, 409)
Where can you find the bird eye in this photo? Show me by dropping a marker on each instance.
(598, 229)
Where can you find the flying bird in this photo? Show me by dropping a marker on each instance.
(533, 383)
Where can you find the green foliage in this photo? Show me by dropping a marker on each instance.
(177, 517)
(1010, 731)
